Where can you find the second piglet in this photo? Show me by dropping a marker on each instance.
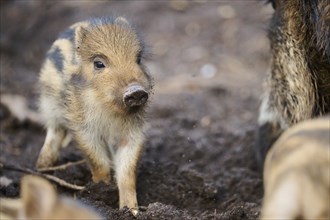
(94, 85)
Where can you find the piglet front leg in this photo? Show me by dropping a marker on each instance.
(126, 160)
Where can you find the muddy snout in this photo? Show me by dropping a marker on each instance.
(135, 95)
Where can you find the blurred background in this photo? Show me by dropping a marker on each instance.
(208, 60)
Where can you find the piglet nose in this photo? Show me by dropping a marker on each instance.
(135, 95)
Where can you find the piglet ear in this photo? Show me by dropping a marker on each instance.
(80, 29)
(81, 33)
(38, 197)
(122, 20)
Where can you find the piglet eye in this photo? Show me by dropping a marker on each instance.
(139, 57)
(138, 60)
(98, 65)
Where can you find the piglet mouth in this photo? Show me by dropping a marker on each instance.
(135, 97)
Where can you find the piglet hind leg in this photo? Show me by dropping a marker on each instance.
(98, 157)
(126, 160)
(50, 150)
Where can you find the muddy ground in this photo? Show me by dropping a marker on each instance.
(208, 61)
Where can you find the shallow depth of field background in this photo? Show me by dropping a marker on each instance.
(208, 60)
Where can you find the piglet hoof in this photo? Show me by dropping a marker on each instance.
(134, 211)
(101, 176)
(46, 159)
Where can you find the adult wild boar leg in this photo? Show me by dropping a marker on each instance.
(269, 129)
(290, 95)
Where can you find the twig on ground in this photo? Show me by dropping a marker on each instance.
(62, 182)
(61, 167)
(47, 176)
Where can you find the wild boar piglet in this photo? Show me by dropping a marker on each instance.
(95, 87)
(39, 200)
(296, 174)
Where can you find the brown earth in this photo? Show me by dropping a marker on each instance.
(209, 60)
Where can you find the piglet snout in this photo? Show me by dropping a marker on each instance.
(135, 95)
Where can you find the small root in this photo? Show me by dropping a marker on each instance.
(46, 176)
(61, 167)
